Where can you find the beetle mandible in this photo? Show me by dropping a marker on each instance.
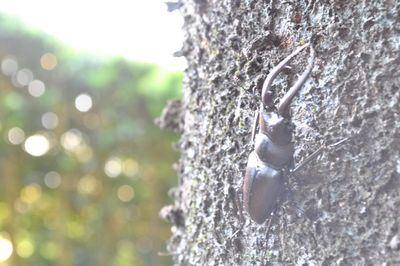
(273, 148)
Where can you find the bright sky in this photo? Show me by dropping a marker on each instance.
(137, 29)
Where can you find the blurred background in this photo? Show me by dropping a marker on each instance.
(83, 169)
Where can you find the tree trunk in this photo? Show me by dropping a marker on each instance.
(341, 209)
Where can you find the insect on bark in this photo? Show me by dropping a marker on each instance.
(272, 157)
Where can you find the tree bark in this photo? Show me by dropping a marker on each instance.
(349, 197)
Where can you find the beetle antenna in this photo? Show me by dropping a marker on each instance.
(283, 107)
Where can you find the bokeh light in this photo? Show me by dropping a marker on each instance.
(31, 193)
(89, 185)
(84, 153)
(6, 248)
(9, 66)
(4, 212)
(25, 248)
(52, 179)
(125, 193)
(36, 88)
(50, 120)
(16, 135)
(78, 181)
(50, 250)
(75, 230)
(130, 167)
(37, 145)
(113, 167)
(48, 61)
(83, 103)
(24, 76)
(71, 139)
(126, 253)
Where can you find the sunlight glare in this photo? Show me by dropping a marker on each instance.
(138, 30)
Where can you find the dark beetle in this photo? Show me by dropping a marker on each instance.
(273, 152)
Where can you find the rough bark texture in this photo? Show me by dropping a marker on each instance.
(349, 196)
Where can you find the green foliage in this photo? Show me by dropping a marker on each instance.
(82, 187)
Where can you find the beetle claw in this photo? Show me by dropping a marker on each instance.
(283, 107)
(276, 70)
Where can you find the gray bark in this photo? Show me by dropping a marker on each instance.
(350, 196)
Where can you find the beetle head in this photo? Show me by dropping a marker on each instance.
(276, 127)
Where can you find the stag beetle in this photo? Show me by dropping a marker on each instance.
(272, 158)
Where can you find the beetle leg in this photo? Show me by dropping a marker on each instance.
(297, 208)
(283, 107)
(255, 122)
(240, 210)
(265, 262)
(315, 154)
(270, 220)
(240, 206)
(275, 71)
